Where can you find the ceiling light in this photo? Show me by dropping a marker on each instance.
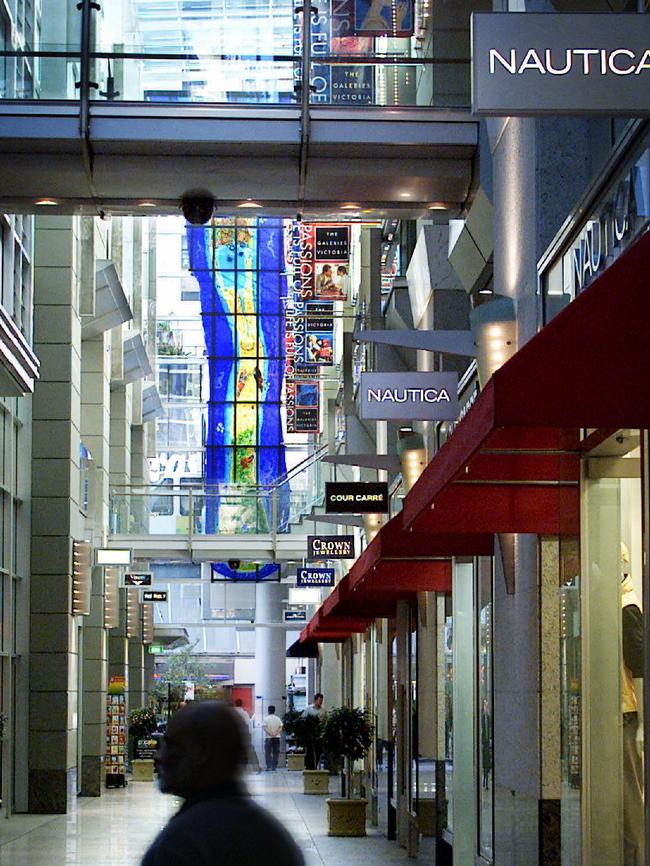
(405, 195)
(147, 204)
(249, 203)
(46, 202)
(486, 291)
(438, 205)
(349, 206)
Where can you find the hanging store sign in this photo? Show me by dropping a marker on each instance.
(138, 578)
(330, 547)
(294, 615)
(409, 396)
(584, 64)
(154, 595)
(356, 497)
(315, 577)
(319, 333)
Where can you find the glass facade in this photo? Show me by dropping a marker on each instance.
(247, 51)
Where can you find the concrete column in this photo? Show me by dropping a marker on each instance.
(120, 438)
(118, 646)
(95, 429)
(402, 739)
(136, 674)
(56, 519)
(270, 649)
(95, 680)
(149, 667)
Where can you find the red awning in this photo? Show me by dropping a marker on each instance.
(512, 464)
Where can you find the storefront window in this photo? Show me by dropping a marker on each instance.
(613, 652)
(484, 728)
(570, 700)
(449, 717)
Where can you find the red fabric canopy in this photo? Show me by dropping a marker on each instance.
(512, 464)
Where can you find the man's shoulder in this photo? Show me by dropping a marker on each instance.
(228, 824)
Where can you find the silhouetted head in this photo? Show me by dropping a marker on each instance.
(203, 747)
(271, 709)
(318, 700)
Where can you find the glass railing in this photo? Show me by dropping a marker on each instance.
(161, 53)
(178, 509)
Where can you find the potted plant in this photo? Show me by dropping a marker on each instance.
(307, 731)
(295, 753)
(142, 724)
(347, 734)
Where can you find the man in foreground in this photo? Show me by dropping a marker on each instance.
(200, 759)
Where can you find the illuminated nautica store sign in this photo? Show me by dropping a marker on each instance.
(409, 396)
(530, 63)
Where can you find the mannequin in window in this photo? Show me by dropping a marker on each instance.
(632, 709)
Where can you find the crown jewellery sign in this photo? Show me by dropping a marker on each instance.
(330, 547)
(409, 396)
(315, 577)
(552, 63)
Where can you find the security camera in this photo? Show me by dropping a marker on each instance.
(298, 217)
(197, 208)
(234, 564)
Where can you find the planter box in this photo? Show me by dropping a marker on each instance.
(346, 817)
(142, 770)
(295, 761)
(316, 781)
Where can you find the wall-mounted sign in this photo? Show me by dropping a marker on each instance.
(356, 497)
(138, 578)
(156, 649)
(294, 615)
(154, 595)
(616, 218)
(409, 396)
(330, 547)
(112, 556)
(530, 64)
(315, 577)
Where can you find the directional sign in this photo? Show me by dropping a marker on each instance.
(294, 615)
(138, 578)
(154, 595)
(315, 577)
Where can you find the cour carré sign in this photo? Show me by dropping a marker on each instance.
(554, 63)
(356, 497)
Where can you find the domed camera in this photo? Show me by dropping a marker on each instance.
(197, 208)
(234, 564)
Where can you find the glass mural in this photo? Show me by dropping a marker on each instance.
(240, 268)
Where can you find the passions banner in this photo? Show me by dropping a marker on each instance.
(383, 17)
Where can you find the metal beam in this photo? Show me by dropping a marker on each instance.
(336, 519)
(388, 462)
(448, 342)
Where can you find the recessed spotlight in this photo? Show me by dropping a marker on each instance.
(405, 195)
(249, 203)
(486, 291)
(46, 202)
(147, 204)
(350, 206)
(438, 205)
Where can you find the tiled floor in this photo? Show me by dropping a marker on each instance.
(115, 829)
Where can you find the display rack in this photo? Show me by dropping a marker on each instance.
(116, 733)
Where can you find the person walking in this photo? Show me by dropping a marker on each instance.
(253, 761)
(200, 759)
(272, 725)
(314, 746)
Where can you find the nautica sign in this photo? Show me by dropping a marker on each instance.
(409, 396)
(530, 63)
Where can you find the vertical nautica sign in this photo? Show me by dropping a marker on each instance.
(409, 396)
(532, 63)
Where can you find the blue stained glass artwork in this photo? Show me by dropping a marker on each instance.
(240, 270)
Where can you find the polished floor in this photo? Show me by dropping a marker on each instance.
(115, 829)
